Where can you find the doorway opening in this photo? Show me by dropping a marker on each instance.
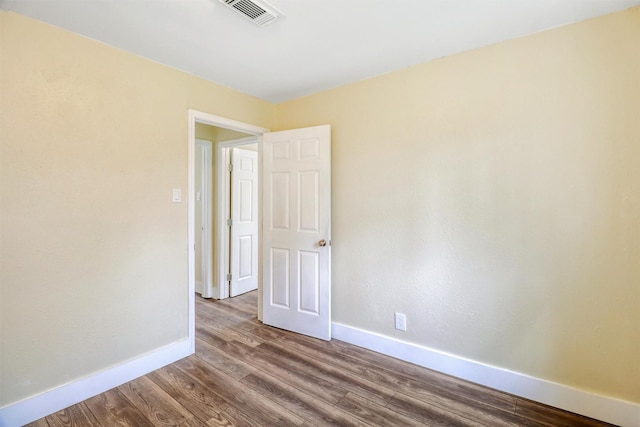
(223, 134)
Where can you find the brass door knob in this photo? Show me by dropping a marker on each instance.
(322, 243)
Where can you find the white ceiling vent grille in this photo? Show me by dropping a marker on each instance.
(257, 12)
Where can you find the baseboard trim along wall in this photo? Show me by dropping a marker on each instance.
(41, 405)
(615, 411)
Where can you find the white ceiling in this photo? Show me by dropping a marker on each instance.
(317, 45)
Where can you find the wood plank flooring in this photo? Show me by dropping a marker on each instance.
(248, 374)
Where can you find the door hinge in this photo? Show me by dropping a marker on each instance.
(229, 222)
(229, 277)
(230, 167)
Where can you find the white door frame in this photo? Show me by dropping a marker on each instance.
(224, 195)
(194, 117)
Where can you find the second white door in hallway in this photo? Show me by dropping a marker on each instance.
(244, 222)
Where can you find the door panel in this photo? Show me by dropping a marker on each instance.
(297, 217)
(308, 190)
(309, 281)
(279, 267)
(245, 269)
(280, 200)
(244, 225)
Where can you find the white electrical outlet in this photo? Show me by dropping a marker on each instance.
(401, 322)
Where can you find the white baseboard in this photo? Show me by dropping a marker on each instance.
(604, 408)
(615, 411)
(41, 405)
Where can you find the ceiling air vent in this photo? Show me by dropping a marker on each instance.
(257, 12)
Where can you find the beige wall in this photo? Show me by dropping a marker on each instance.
(205, 132)
(216, 134)
(494, 197)
(93, 140)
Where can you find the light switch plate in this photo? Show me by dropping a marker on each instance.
(177, 195)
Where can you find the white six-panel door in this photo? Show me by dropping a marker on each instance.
(244, 227)
(297, 230)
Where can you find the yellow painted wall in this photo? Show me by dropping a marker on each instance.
(494, 198)
(93, 266)
(205, 132)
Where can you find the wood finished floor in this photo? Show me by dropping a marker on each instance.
(248, 374)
